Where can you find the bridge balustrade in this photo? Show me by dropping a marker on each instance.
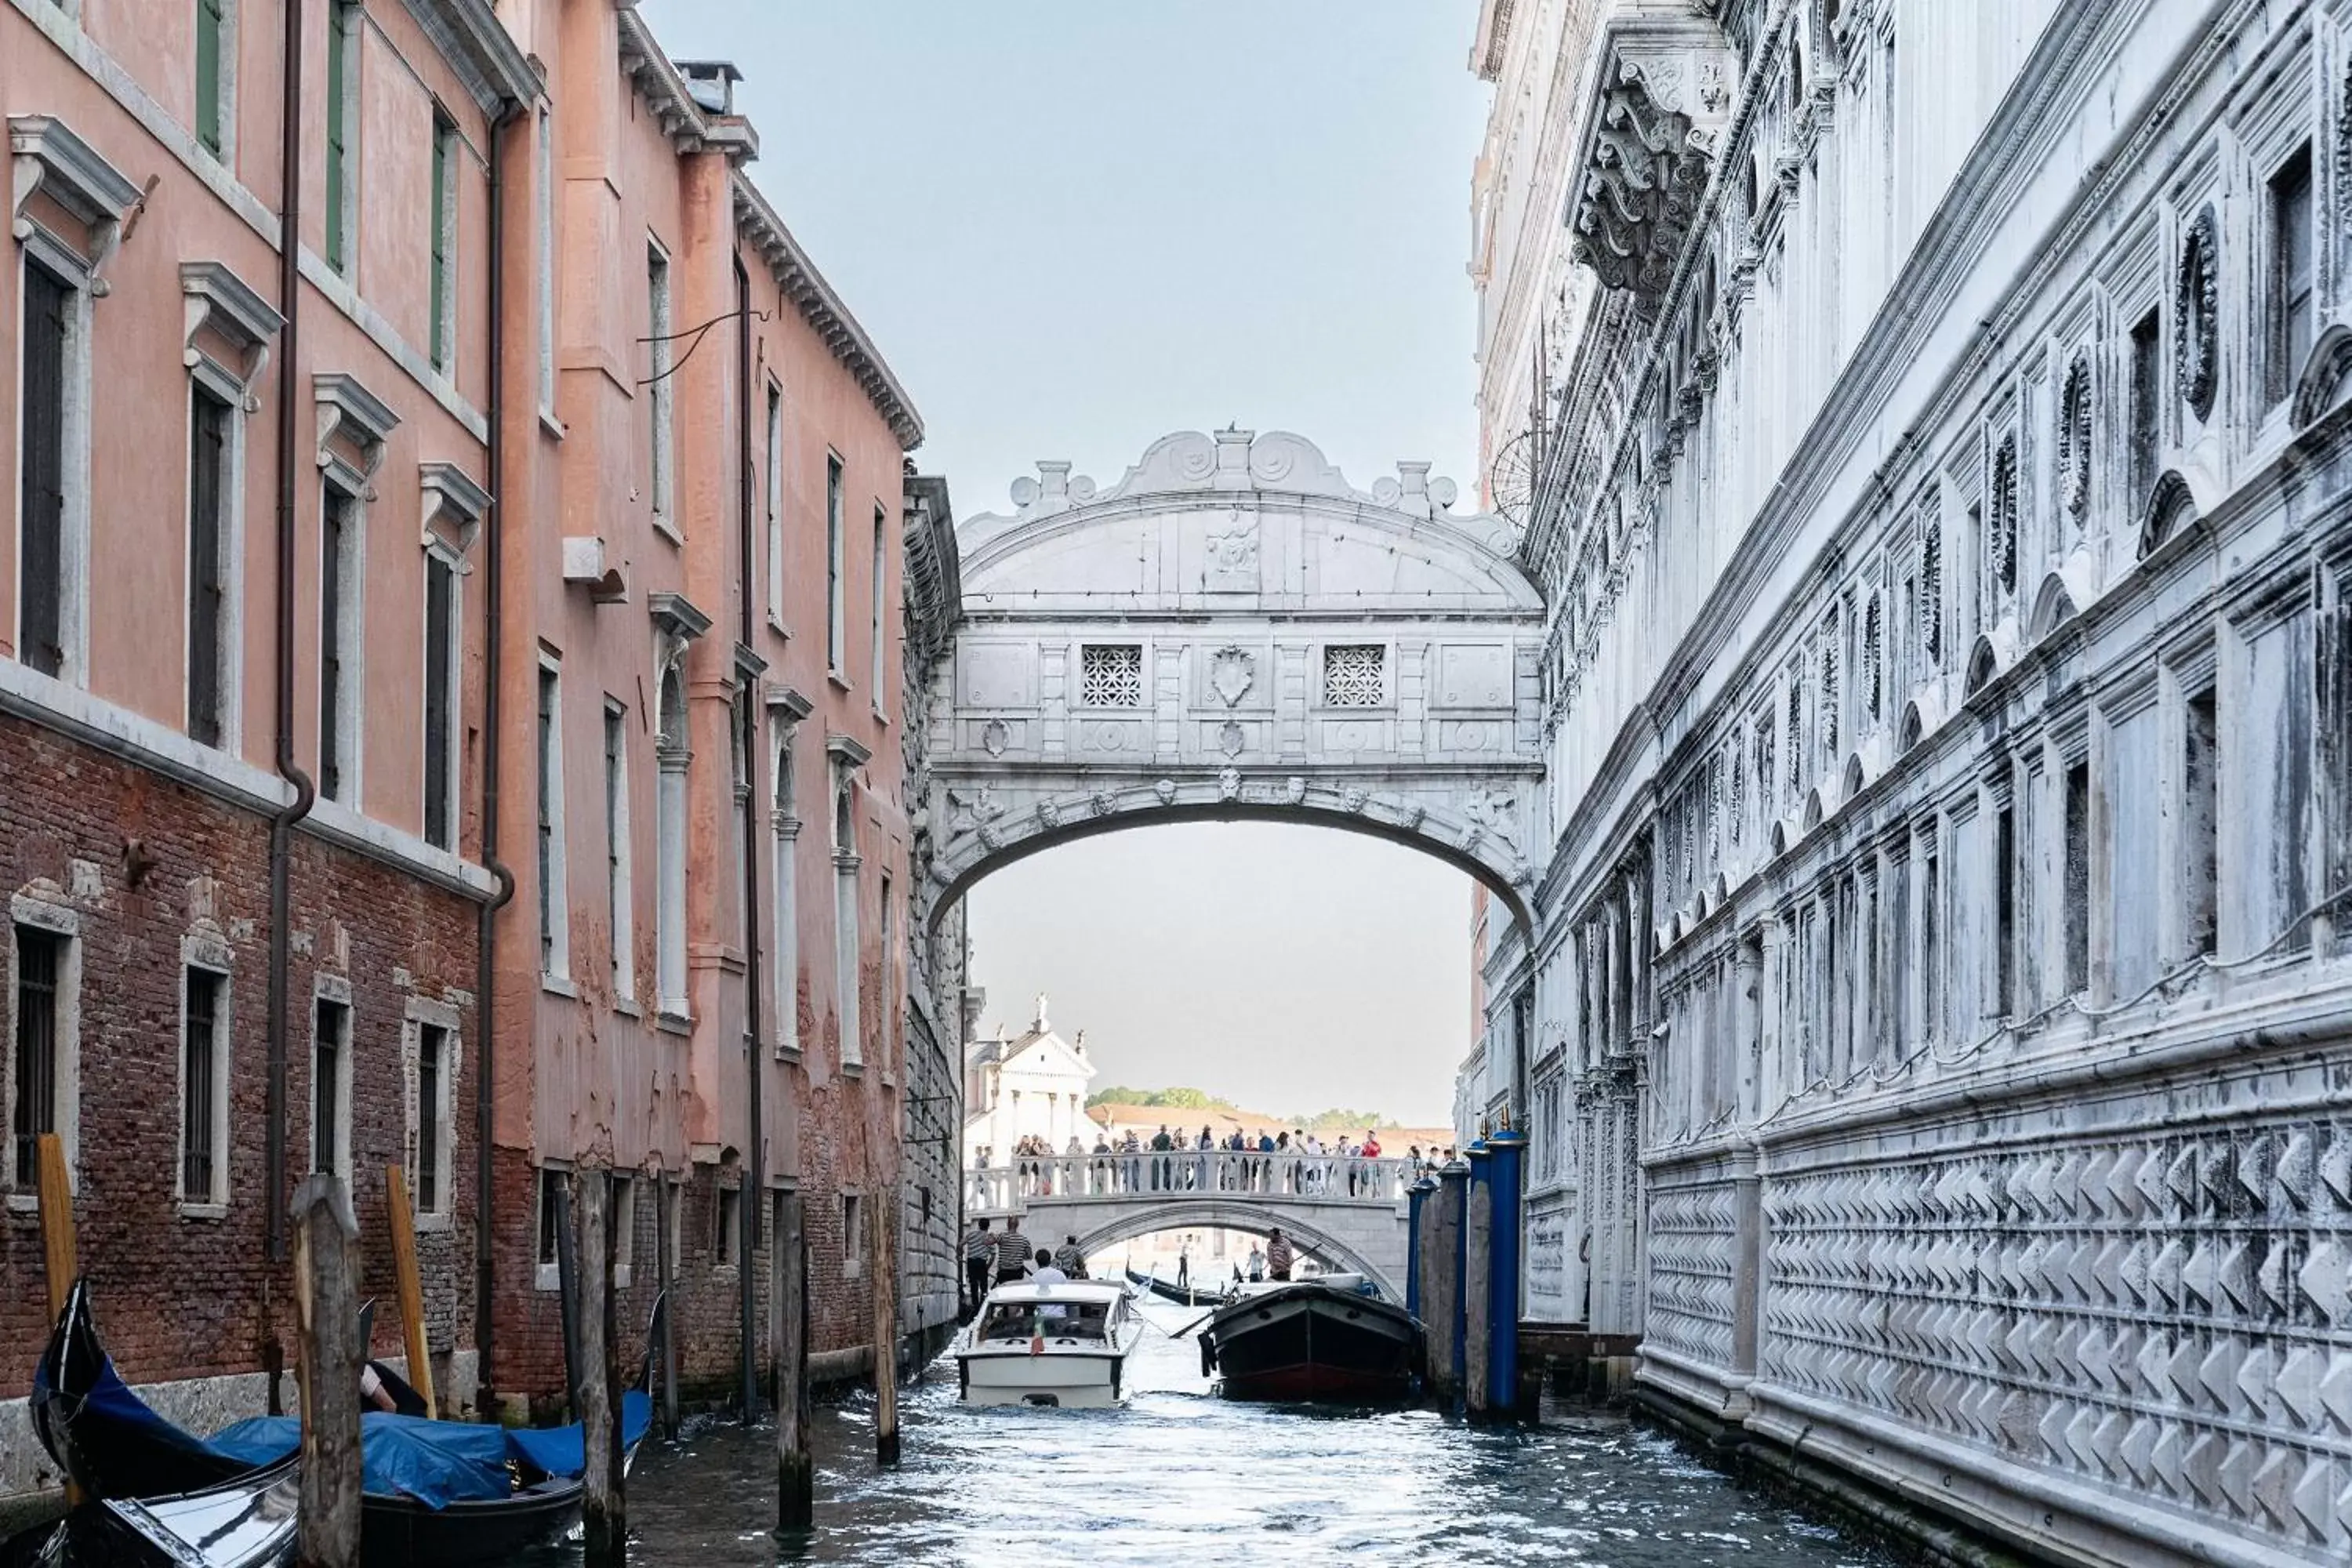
(1185, 1174)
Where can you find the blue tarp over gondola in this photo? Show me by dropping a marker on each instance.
(561, 1450)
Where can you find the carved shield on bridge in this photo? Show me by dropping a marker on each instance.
(1232, 672)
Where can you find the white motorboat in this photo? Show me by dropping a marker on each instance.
(1061, 1344)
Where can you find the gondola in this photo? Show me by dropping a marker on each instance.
(1182, 1295)
(1312, 1340)
(437, 1492)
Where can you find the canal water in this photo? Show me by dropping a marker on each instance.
(1179, 1477)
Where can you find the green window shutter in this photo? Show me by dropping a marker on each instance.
(339, 26)
(442, 135)
(208, 75)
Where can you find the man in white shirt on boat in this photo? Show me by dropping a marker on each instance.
(1045, 1274)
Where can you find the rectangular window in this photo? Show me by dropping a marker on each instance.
(621, 1216)
(2201, 824)
(2291, 297)
(836, 610)
(544, 243)
(337, 617)
(202, 1027)
(208, 567)
(775, 501)
(853, 1236)
(440, 702)
(212, 99)
(329, 1062)
(432, 1123)
(40, 965)
(41, 460)
(1931, 955)
(2146, 376)
(2004, 915)
(616, 848)
(344, 28)
(1352, 674)
(883, 1000)
(730, 1223)
(2078, 877)
(658, 385)
(881, 574)
(551, 1216)
(444, 239)
(553, 913)
(1110, 675)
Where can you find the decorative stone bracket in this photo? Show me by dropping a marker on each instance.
(218, 300)
(1647, 148)
(351, 414)
(51, 161)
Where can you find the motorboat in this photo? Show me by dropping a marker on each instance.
(1061, 1344)
(1329, 1338)
(435, 1492)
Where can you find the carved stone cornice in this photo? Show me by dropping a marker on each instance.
(1647, 147)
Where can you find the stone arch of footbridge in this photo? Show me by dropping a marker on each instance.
(1100, 1230)
(1234, 631)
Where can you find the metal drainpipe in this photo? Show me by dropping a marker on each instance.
(753, 1045)
(281, 825)
(493, 629)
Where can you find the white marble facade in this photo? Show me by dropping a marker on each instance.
(1935, 1022)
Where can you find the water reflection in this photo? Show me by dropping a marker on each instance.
(1179, 1477)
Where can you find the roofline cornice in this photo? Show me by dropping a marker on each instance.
(758, 226)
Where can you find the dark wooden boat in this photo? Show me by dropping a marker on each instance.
(1182, 1295)
(1311, 1341)
(163, 1495)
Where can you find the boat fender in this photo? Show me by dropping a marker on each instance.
(1207, 1356)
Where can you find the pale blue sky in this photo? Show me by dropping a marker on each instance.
(1072, 228)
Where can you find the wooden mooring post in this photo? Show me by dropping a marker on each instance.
(795, 1475)
(602, 1510)
(884, 1227)
(411, 1290)
(60, 1260)
(327, 1323)
(665, 1217)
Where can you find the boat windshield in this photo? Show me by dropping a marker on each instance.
(1055, 1320)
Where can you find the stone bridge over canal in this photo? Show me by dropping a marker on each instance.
(1350, 1214)
(1233, 630)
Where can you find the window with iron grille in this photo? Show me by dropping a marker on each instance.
(1353, 675)
(40, 957)
(551, 1215)
(432, 1127)
(1110, 675)
(330, 1044)
(200, 1085)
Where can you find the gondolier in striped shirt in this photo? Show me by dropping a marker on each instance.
(979, 1252)
(1277, 1255)
(1012, 1253)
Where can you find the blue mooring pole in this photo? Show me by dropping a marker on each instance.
(1455, 1193)
(1505, 1151)
(1415, 1195)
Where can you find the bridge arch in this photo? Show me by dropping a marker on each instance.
(1227, 1213)
(1230, 632)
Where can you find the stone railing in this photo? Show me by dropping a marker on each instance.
(1186, 1173)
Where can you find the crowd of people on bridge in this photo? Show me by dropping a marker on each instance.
(1295, 1163)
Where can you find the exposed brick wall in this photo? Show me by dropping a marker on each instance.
(180, 1296)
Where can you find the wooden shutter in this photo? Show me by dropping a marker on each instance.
(208, 75)
(40, 640)
(438, 701)
(331, 642)
(339, 36)
(207, 577)
(443, 134)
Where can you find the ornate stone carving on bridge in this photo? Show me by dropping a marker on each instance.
(1224, 579)
(1662, 99)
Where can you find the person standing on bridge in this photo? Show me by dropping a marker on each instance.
(1161, 1174)
(1278, 1256)
(1012, 1253)
(979, 1252)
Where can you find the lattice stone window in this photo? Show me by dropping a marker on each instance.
(1352, 674)
(1110, 675)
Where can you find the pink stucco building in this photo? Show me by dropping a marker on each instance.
(449, 700)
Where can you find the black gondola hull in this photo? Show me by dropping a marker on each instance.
(1308, 1342)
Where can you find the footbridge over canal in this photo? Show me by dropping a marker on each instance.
(1350, 1214)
